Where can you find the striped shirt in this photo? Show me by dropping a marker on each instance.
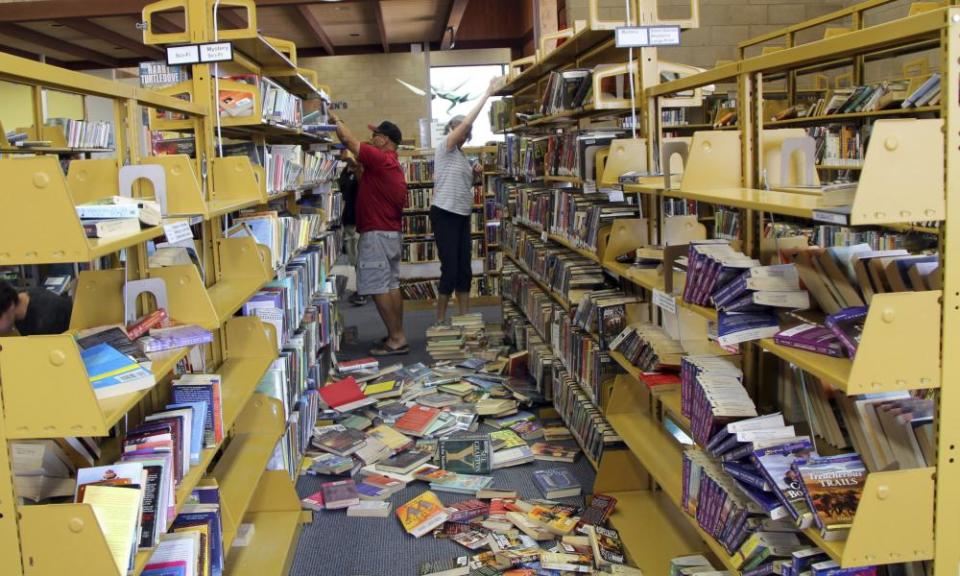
(453, 180)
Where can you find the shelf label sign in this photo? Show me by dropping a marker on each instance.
(216, 52)
(179, 55)
(199, 53)
(177, 231)
(665, 301)
(647, 36)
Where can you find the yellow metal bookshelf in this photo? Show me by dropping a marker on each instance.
(905, 498)
(725, 167)
(45, 387)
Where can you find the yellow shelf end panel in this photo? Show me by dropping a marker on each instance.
(901, 498)
(276, 513)
(50, 232)
(55, 537)
(256, 432)
(899, 348)
(251, 348)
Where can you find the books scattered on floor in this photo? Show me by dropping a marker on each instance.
(450, 428)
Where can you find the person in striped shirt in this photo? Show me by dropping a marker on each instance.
(451, 209)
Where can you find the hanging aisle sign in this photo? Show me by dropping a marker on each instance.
(199, 53)
(647, 36)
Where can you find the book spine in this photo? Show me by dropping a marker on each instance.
(745, 476)
(731, 290)
(805, 344)
(144, 325)
(107, 211)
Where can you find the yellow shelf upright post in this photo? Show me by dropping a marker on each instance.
(10, 562)
(947, 492)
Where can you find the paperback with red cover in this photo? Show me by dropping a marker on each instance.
(344, 395)
(417, 420)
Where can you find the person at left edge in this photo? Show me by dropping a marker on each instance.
(380, 200)
(32, 312)
(349, 183)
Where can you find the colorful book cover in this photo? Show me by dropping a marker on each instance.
(422, 514)
(607, 546)
(466, 454)
(833, 486)
(556, 523)
(775, 462)
(505, 439)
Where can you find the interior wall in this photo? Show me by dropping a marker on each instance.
(368, 84)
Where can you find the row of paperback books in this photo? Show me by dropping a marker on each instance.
(327, 201)
(604, 313)
(768, 480)
(552, 345)
(538, 306)
(832, 235)
(420, 251)
(138, 492)
(563, 270)
(283, 235)
(422, 198)
(566, 90)
(84, 133)
(522, 158)
(421, 224)
(430, 289)
(417, 170)
(492, 209)
(320, 167)
(584, 419)
(583, 357)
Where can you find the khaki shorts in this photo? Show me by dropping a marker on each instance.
(378, 262)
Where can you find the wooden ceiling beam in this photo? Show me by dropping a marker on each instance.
(316, 28)
(30, 55)
(95, 30)
(457, 10)
(381, 25)
(48, 9)
(34, 37)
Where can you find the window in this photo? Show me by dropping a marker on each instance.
(456, 90)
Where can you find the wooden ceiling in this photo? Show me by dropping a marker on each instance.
(85, 34)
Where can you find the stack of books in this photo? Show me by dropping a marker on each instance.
(446, 343)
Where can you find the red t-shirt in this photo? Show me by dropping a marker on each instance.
(383, 191)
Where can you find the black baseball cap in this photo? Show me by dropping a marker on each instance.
(388, 129)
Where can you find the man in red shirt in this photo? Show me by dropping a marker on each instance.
(380, 202)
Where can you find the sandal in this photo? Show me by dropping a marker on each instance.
(384, 349)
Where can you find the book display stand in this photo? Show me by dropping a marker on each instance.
(46, 392)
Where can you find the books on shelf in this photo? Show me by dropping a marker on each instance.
(84, 133)
(418, 170)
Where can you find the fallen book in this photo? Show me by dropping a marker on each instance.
(556, 483)
(370, 509)
(422, 514)
(466, 454)
(554, 452)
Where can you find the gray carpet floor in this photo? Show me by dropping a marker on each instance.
(335, 545)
